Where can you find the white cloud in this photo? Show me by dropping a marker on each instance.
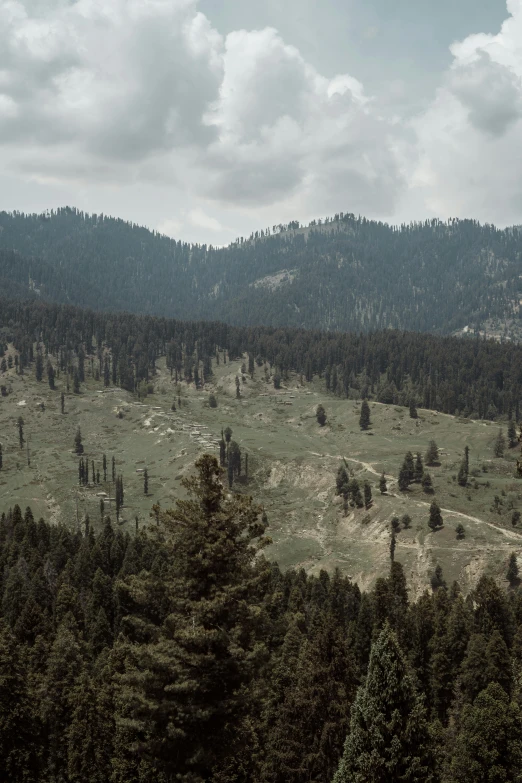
(109, 100)
(130, 91)
(468, 140)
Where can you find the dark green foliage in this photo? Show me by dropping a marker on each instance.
(81, 258)
(413, 409)
(432, 454)
(388, 738)
(21, 432)
(488, 746)
(435, 520)
(145, 482)
(512, 571)
(78, 445)
(515, 518)
(320, 415)
(382, 484)
(427, 485)
(500, 444)
(212, 401)
(364, 419)
(460, 531)
(418, 470)
(367, 494)
(512, 434)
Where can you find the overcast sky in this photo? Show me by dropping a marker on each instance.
(209, 119)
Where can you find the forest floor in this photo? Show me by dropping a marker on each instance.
(292, 468)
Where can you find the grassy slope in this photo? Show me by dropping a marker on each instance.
(293, 463)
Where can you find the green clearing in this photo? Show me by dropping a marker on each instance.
(292, 467)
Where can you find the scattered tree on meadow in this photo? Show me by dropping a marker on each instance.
(427, 484)
(1, 457)
(435, 520)
(320, 414)
(393, 544)
(432, 454)
(78, 445)
(460, 531)
(21, 431)
(413, 409)
(500, 444)
(212, 401)
(515, 518)
(50, 376)
(512, 434)
(228, 434)
(418, 470)
(383, 487)
(364, 419)
(367, 494)
(145, 482)
(39, 366)
(62, 402)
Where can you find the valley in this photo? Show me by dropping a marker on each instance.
(292, 466)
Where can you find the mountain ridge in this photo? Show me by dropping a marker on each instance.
(347, 273)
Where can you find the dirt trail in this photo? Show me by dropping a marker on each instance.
(366, 465)
(511, 534)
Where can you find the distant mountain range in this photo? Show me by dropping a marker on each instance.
(346, 273)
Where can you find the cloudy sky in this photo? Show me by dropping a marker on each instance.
(207, 119)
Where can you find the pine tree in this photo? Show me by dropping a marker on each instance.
(364, 419)
(341, 480)
(145, 482)
(62, 402)
(185, 691)
(367, 494)
(427, 485)
(488, 746)
(432, 454)
(21, 432)
(500, 445)
(512, 572)
(393, 544)
(39, 367)
(404, 478)
(512, 434)
(113, 465)
(104, 466)
(106, 374)
(413, 409)
(78, 445)
(388, 738)
(383, 487)
(460, 531)
(18, 728)
(228, 434)
(435, 520)
(320, 415)
(76, 382)
(1, 457)
(50, 375)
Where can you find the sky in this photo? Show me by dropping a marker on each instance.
(209, 119)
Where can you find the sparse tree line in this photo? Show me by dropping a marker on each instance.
(121, 656)
(474, 377)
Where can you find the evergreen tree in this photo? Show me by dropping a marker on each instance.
(1, 458)
(106, 374)
(427, 485)
(367, 494)
(341, 481)
(39, 366)
(388, 738)
(76, 382)
(460, 531)
(78, 445)
(512, 572)
(413, 409)
(500, 444)
(145, 482)
(228, 434)
(364, 419)
(383, 488)
(432, 454)
(404, 478)
(18, 728)
(21, 432)
(104, 466)
(186, 691)
(113, 466)
(320, 415)
(488, 746)
(512, 434)
(50, 375)
(62, 402)
(393, 544)
(435, 520)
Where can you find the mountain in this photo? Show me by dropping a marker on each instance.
(346, 273)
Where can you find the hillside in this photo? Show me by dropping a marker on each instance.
(347, 274)
(292, 465)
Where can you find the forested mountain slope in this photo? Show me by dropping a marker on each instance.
(346, 273)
